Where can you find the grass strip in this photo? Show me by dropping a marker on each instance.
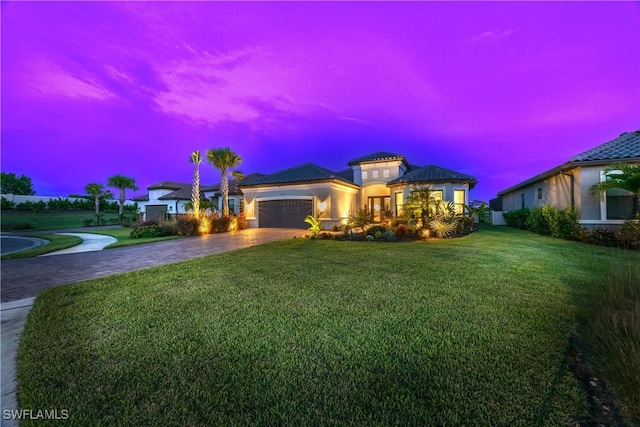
(58, 242)
(124, 237)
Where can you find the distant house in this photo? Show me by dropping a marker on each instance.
(168, 198)
(568, 185)
(380, 181)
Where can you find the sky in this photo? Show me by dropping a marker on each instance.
(498, 90)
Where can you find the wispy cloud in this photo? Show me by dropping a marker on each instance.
(489, 36)
(47, 79)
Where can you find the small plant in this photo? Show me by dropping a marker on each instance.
(377, 235)
(143, 231)
(388, 236)
(241, 220)
(603, 237)
(188, 225)
(402, 230)
(629, 233)
(361, 219)
(315, 225)
(369, 238)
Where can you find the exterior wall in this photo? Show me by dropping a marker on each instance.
(446, 188)
(173, 206)
(332, 202)
(393, 169)
(591, 204)
(555, 191)
(156, 194)
(217, 201)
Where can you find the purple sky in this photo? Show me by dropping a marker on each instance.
(498, 90)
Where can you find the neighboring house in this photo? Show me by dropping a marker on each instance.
(170, 197)
(213, 194)
(568, 185)
(380, 181)
(164, 198)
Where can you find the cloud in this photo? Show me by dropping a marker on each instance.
(489, 36)
(45, 78)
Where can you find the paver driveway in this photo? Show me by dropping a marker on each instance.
(23, 278)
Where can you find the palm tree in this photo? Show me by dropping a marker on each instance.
(628, 180)
(224, 159)
(122, 183)
(421, 204)
(196, 159)
(97, 192)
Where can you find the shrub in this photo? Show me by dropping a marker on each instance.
(59, 204)
(7, 204)
(603, 237)
(516, 218)
(629, 234)
(188, 225)
(442, 228)
(465, 225)
(219, 224)
(402, 230)
(152, 230)
(31, 206)
(388, 236)
(374, 230)
(242, 222)
(361, 219)
(536, 221)
(169, 228)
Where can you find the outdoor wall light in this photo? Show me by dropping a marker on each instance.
(322, 206)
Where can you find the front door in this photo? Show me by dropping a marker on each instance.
(379, 207)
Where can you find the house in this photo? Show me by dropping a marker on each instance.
(164, 198)
(168, 198)
(380, 181)
(568, 185)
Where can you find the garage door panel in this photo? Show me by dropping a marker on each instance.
(284, 213)
(156, 212)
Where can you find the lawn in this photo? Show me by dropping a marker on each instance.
(45, 220)
(305, 332)
(124, 237)
(57, 242)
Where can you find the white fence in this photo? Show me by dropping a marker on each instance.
(497, 218)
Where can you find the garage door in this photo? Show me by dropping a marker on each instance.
(284, 213)
(156, 212)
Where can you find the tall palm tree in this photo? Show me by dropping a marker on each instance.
(196, 159)
(628, 180)
(122, 183)
(224, 159)
(96, 191)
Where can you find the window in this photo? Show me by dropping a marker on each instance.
(385, 173)
(374, 174)
(365, 175)
(539, 193)
(522, 201)
(436, 194)
(399, 203)
(232, 205)
(621, 204)
(459, 201)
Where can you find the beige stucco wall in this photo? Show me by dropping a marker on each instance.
(446, 188)
(332, 202)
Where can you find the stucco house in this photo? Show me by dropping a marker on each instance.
(380, 181)
(568, 184)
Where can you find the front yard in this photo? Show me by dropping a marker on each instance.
(465, 331)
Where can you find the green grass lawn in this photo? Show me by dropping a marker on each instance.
(124, 237)
(306, 332)
(45, 220)
(58, 242)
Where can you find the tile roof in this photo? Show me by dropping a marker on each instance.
(233, 184)
(626, 146)
(168, 185)
(142, 198)
(431, 173)
(346, 174)
(378, 155)
(303, 173)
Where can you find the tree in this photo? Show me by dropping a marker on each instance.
(224, 159)
(12, 184)
(196, 159)
(628, 179)
(98, 192)
(421, 204)
(122, 183)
